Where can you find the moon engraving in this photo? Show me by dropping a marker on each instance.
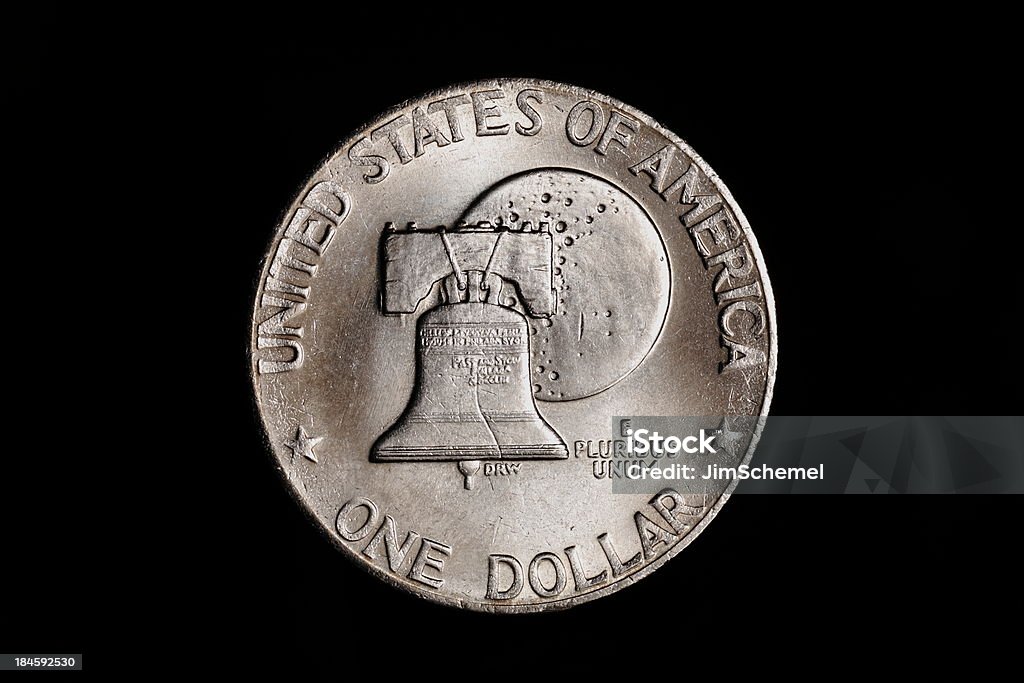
(611, 278)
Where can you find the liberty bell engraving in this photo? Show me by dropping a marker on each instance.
(473, 397)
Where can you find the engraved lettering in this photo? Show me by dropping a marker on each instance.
(279, 286)
(395, 554)
(652, 535)
(287, 255)
(620, 130)
(546, 574)
(277, 323)
(523, 102)
(598, 448)
(579, 576)
(718, 241)
(332, 202)
(721, 232)
(754, 312)
(358, 156)
(591, 115)
(431, 554)
(699, 204)
(753, 289)
(740, 356)
(425, 131)
(494, 563)
(502, 469)
(669, 503)
(267, 366)
(390, 131)
(424, 560)
(486, 111)
(450, 106)
(486, 338)
(656, 167)
(310, 229)
(737, 266)
(535, 581)
(345, 519)
(296, 258)
(618, 566)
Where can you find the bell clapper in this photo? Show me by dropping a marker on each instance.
(468, 468)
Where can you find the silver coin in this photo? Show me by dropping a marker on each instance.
(458, 303)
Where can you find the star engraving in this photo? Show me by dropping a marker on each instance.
(728, 438)
(303, 444)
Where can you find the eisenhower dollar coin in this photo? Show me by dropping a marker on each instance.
(456, 308)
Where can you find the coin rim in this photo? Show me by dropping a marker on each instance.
(561, 603)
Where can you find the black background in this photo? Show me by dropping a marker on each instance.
(892, 258)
